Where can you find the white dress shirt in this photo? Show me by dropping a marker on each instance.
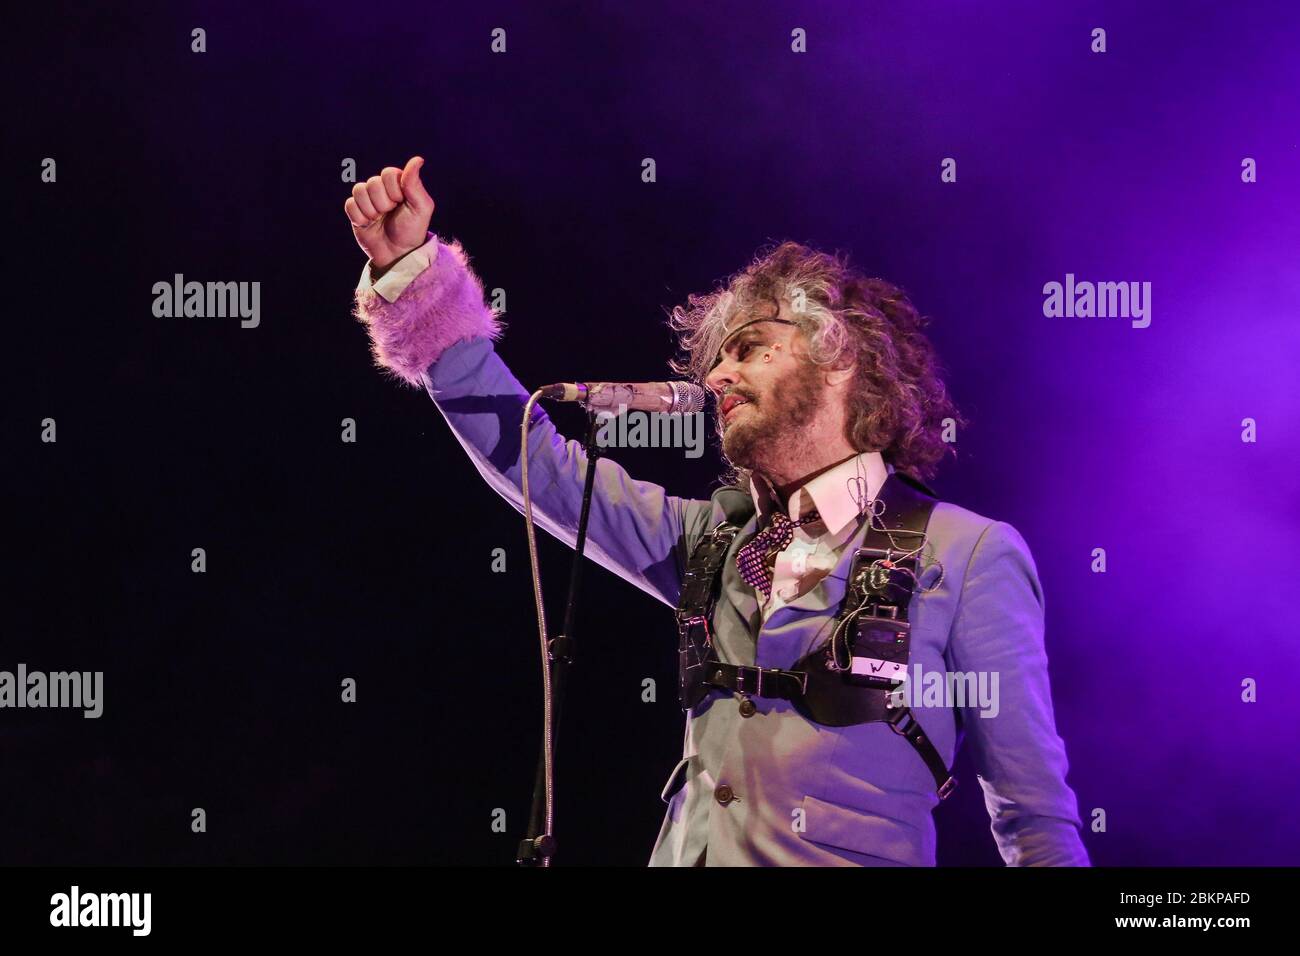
(841, 496)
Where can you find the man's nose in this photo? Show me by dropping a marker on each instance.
(723, 375)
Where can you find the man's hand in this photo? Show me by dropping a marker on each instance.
(390, 213)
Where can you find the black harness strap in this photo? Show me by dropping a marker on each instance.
(695, 613)
(852, 678)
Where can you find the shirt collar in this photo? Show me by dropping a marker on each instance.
(834, 493)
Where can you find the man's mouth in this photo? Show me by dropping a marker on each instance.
(730, 404)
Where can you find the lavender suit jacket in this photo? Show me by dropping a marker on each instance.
(798, 793)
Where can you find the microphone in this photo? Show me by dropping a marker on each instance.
(667, 397)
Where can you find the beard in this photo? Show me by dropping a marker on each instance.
(775, 429)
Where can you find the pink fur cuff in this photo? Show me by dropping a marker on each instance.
(440, 307)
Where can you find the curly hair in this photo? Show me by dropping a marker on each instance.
(898, 404)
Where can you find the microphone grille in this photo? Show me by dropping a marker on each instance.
(687, 398)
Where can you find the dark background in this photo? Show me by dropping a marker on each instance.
(372, 560)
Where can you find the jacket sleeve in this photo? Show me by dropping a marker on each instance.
(429, 328)
(998, 629)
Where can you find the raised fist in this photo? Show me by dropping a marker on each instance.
(390, 213)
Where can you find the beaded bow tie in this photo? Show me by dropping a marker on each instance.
(751, 560)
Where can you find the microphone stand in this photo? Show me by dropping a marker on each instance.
(537, 848)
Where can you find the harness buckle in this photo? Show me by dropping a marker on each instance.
(745, 674)
(743, 671)
(883, 612)
(740, 680)
(897, 716)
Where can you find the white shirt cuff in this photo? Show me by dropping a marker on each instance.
(393, 282)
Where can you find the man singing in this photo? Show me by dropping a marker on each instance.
(852, 631)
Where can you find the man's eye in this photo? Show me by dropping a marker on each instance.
(743, 349)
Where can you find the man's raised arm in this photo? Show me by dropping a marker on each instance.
(423, 308)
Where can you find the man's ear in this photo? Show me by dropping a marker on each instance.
(838, 376)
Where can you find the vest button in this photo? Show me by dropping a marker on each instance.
(724, 795)
(748, 708)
